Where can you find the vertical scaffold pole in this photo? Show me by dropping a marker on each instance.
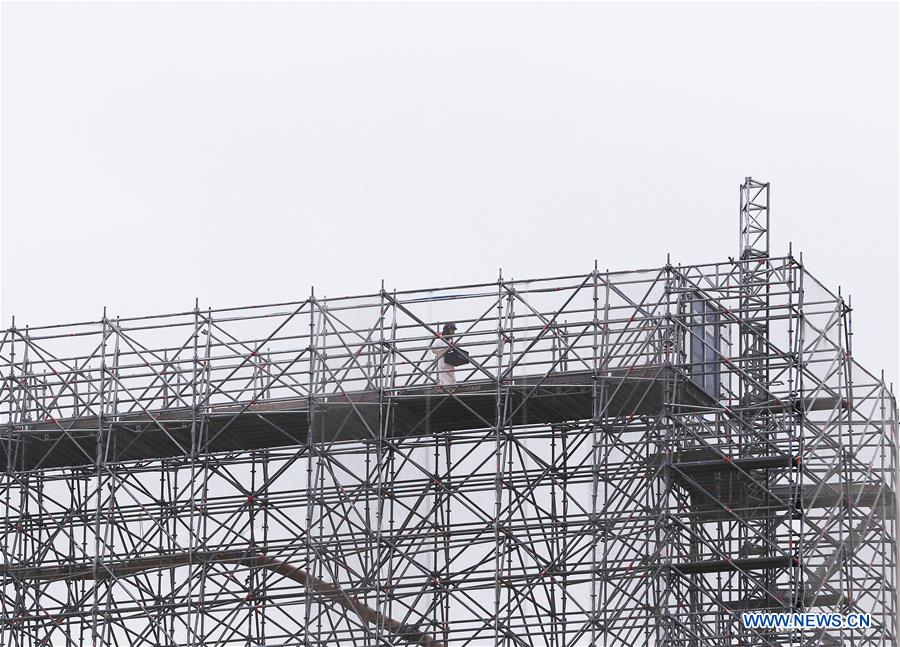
(758, 423)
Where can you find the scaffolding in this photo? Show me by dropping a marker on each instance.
(630, 457)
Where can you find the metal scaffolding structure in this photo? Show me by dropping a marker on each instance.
(631, 457)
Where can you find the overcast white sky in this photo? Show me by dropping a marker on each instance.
(240, 153)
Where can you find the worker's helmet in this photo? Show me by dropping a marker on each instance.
(449, 328)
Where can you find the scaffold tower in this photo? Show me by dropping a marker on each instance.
(628, 458)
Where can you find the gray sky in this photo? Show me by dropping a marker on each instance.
(240, 153)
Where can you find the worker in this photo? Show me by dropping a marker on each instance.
(446, 372)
